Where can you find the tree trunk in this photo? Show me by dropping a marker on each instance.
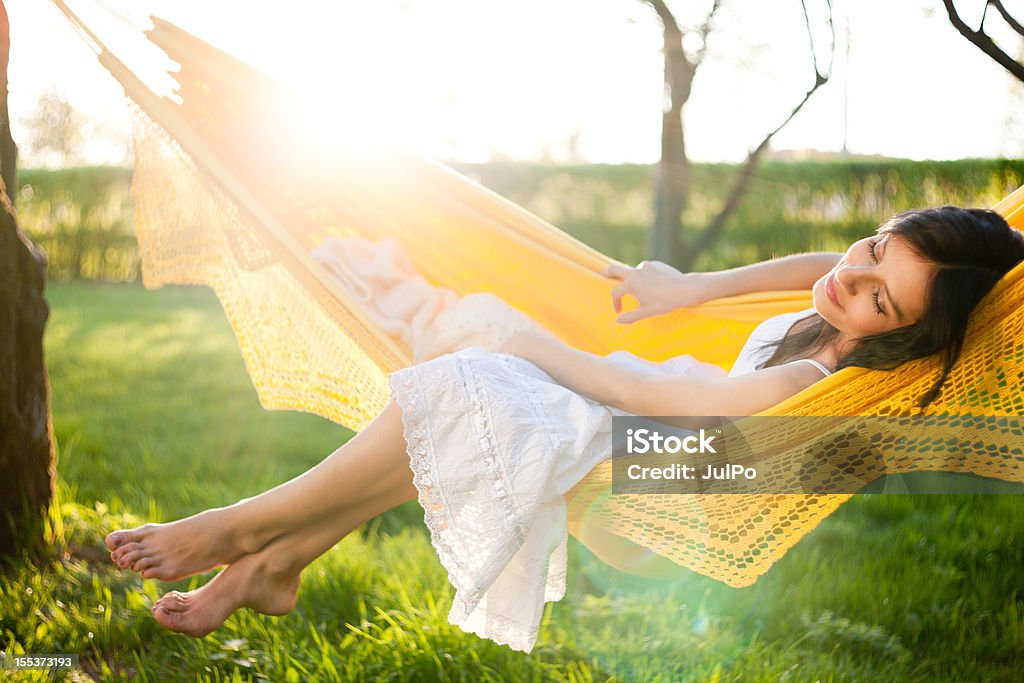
(26, 432)
(672, 183)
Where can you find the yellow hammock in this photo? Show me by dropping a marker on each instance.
(223, 201)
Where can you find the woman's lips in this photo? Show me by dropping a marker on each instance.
(830, 289)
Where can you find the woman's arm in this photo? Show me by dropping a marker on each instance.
(641, 393)
(660, 288)
(746, 394)
(798, 271)
(582, 372)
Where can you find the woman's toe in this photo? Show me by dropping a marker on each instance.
(143, 563)
(172, 619)
(175, 599)
(115, 539)
(128, 559)
(124, 550)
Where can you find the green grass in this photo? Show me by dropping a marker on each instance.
(156, 418)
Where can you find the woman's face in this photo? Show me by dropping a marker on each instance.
(879, 285)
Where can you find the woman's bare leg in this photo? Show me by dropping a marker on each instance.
(267, 580)
(372, 464)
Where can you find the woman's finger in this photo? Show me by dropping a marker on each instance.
(631, 316)
(617, 293)
(616, 270)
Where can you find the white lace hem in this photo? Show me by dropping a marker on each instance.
(470, 609)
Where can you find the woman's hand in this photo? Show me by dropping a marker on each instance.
(659, 288)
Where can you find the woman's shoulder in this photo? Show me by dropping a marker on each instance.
(767, 331)
(805, 371)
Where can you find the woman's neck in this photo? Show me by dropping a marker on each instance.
(829, 356)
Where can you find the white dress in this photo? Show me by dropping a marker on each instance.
(493, 441)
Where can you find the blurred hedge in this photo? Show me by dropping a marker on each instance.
(791, 206)
(82, 217)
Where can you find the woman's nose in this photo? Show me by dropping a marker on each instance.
(849, 275)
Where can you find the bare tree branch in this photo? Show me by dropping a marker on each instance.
(673, 181)
(983, 42)
(714, 230)
(810, 38)
(704, 31)
(1007, 17)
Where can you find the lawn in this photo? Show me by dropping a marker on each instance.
(155, 419)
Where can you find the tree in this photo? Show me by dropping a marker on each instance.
(26, 431)
(56, 129)
(672, 186)
(983, 41)
(1013, 122)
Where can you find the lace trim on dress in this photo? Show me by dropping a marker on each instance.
(406, 387)
(504, 631)
(486, 448)
(415, 429)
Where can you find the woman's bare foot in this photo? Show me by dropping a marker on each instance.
(189, 546)
(249, 582)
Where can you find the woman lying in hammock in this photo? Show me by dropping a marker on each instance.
(490, 441)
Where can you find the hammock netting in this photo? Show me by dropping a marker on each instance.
(224, 200)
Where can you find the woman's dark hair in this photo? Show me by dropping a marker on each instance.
(971, 249)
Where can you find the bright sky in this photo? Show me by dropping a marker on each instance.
(464, 79)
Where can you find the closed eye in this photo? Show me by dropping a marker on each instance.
(874, 257)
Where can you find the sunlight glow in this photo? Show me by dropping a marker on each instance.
(567, 81)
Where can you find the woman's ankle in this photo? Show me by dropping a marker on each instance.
(240, 533)
(281, 559)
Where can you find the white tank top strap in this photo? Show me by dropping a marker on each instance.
(815, 364)
(770, 330)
